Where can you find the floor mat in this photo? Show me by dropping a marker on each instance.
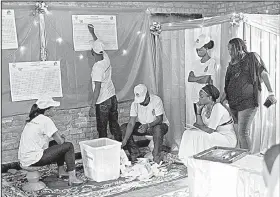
(12, 183)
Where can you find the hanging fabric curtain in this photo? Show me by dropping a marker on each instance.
(230, 26)
(268, 23)
(265, 128)
(173, 48)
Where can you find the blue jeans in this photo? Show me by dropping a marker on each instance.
(244, 120)
(107, 111)
(58, 153)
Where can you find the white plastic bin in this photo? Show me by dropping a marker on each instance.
(101, 159)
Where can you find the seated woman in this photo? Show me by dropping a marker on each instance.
(214, 125)
(35, 148)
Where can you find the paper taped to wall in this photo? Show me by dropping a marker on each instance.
(31, 80)
(9, 33)
(105, 29)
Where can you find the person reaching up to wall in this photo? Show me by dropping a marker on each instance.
(104, 101)
(35, 147)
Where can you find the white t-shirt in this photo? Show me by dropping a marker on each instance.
(35, 139)
(147, 114)
(219, 116)
(102, 72)
(201, 69)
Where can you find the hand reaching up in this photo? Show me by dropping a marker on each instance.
(91, 28)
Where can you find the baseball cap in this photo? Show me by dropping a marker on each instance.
(46, 102)
(140, 92)
(97, 46)
(201, 41)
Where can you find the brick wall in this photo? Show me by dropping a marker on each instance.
(75, 124)
(262, 7)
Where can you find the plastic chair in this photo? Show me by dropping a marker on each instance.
(33, 176)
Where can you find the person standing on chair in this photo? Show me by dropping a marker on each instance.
(104, 101)
(36, 148)
(242, 90)
(147, 117)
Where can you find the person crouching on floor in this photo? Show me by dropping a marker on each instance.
(147, 117)
(36, 149)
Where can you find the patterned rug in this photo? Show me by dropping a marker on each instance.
(12, 183)
(184, 192)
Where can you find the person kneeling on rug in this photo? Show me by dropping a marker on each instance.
(147, 117)
(213, 126)
(35, 148)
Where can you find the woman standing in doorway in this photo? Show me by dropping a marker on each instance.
(243, 79)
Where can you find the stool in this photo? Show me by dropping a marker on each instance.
(33, 177)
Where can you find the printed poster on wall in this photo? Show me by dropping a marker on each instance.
(32, 80)
(105, 29)
(9, 33)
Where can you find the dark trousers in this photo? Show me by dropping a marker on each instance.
(157, 132)
(107, 111)
(58, 153)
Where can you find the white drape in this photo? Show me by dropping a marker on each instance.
(171, 82)
(170, 60)
(265, 128)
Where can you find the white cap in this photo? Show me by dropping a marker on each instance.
(201, 41)
(97, 46)
(140, 92)
(46, 102)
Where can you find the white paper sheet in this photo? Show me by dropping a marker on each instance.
(105, 30)
(9, 33)
(31, 80)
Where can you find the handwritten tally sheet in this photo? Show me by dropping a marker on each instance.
(32, 80)
(9, 33)
(105, 30)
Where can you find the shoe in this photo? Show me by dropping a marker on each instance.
(63, 176)
(75, 182)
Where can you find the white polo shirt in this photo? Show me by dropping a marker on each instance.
(102, 72)
(35, 139)
(147, 114)
(201, 69)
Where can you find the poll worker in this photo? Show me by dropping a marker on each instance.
(213, 126)
(104, 101)
(147, 117)
(36, 147)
